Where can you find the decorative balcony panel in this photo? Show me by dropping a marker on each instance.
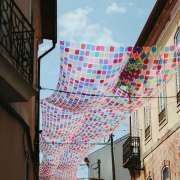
(16, 39)
(131, 153)
(16, 54)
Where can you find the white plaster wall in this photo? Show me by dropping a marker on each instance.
(104, 154)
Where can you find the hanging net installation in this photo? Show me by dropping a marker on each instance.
(98, 88)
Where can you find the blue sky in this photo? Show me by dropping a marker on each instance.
(107, 22)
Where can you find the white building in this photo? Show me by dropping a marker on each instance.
(104, 170)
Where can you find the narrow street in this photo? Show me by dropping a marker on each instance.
(90, 91)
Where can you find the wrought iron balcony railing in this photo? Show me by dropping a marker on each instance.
(131, 153)
(17, 38)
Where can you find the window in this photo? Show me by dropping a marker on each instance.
(177, 43)
(149, 178)
(134, 122)
(147, 120)
(177, 37)
(162, 106)
(166, 173)
(162, 92)
(162, 99)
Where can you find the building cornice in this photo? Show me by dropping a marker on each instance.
(156, 22)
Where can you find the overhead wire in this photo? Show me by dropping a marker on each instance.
(85, 94)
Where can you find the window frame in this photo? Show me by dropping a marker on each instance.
(147, 120)
(135, 123)
(176, 35)
(162, 116)
(161, 99)
(176, 43)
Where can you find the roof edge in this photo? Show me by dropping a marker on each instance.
(151, 21)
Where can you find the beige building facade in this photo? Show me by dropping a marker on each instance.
(158, 122)
(161, 148)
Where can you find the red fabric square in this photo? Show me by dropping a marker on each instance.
(83, 46)
(174, 60)
(115, 61)
(159, 67)
(155, 61)
(82, 79)
(112, 49)
(98, 72)
(76, 52)
(129, 48)
(66, 49)
(90, 65)
(98, 48)
(166, 55)
(146, 61)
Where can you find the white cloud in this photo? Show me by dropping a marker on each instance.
(115, 8)
(75, 25)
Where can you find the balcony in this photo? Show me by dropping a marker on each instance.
(16, 52)
(131, 153)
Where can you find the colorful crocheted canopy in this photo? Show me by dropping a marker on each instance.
(98, 88)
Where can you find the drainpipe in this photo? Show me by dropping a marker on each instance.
(37, 107)
(130, 128)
